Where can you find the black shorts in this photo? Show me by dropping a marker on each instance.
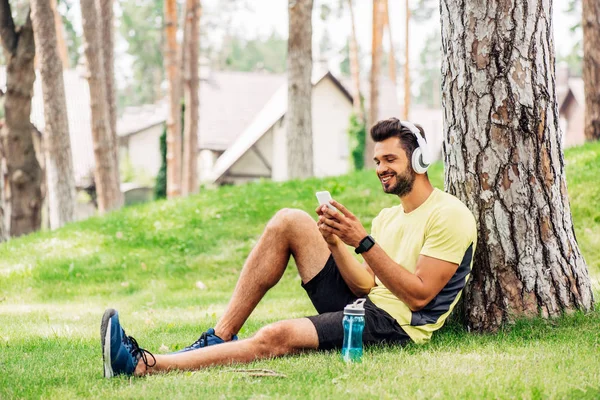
(329, 294)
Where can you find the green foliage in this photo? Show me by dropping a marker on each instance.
(145, 260)
(423, 10)
(141, 25)
(160, 187)
(256, 54)
(345, 62)
(72, 37)
(357, 141)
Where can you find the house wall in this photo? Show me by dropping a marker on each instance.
(143, 149)
(331, 111)
(250, 166)
(575, 117)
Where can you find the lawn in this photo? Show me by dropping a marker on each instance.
(146, 261)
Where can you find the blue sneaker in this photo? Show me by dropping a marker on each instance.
(120, 352)
(207, 338)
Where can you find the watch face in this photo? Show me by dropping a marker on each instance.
(365, 245)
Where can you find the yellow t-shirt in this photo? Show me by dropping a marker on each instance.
(443, 228)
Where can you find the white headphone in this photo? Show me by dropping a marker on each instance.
(420, 157)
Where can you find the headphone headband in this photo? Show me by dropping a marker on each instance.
(421, 158)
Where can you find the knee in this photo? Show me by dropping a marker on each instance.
(286, 218)
(274, 340)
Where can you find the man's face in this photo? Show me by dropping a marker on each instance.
(393, 167)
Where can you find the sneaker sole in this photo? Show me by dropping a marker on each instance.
(105, 329)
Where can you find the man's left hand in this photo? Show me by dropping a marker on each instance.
(343, 224)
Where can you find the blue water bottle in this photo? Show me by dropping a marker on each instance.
(354, 323)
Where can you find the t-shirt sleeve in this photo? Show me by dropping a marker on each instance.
(449, 235)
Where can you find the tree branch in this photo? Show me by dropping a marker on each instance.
(25, 45)
(7, 27)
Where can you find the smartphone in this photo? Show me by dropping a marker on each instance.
(324, 197)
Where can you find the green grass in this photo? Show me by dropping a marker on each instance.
(145, 261)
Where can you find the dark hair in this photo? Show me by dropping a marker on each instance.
(392, 127)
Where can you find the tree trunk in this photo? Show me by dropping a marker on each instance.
(377, 38)
(391, 55)
(192, 102)
(23, 168)
(57, 142)
(105, 9)
(174, 117)
(63, 51)
(591, 67)
(406, 107)
(107, 186)
(299, 112)
(504, 160)
(354, 68)
(3, 231)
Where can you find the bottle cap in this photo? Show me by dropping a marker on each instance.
(356, 308)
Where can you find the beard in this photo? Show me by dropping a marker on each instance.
(404, 183)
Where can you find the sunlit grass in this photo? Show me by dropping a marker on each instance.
(146, 262)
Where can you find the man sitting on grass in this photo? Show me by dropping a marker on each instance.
(417, 262)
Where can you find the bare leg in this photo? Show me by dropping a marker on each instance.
(275, 340)
(289, 232)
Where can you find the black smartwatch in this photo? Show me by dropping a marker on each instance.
(365, 245)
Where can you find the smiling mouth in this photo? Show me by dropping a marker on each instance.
(386, 178)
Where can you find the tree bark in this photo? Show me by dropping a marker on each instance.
(591, 67)
(174, 117)
(107, 184)
(504, 160)
(23, 168)
(57, 142)
(60, 36)
(105, 9)
(299, 112)
(406, 108)
(354, 68)
(377, 38)
(3, 231)
(191, 95)
(391, 55)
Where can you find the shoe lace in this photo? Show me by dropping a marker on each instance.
(137, 352)
(201, 339)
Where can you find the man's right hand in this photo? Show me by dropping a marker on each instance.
(330, 238)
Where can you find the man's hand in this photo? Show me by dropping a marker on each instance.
(329, 237)
(341, 225)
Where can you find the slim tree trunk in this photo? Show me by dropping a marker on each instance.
(63, 52)
(391, 55)
(299, 112)
(174, 117)
(23, 168)
(107, 186)
(106, 14)
(504, 160)
(406, 112)
(377, 38)
(354, 67)
(3, 231)
(57, 142)
(192, 102)
(591, 67)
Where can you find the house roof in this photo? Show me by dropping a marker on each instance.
(272, 112)
(229, 101)
(571, 89)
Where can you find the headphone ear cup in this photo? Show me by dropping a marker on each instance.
(417, 163)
